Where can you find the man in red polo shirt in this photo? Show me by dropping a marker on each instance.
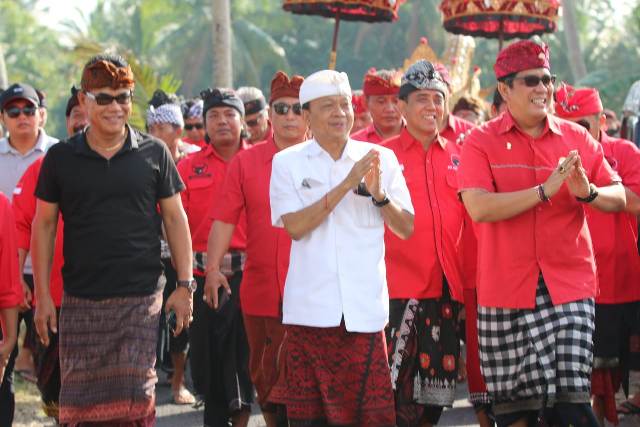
(10, 298)
(526, 179)
(219, 350)
(425, 272)
(614, 243)
(452, 127)
(247, 188)
(380, 89)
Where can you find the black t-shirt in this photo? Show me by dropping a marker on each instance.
(109, 208)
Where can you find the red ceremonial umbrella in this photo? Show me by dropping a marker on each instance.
(350, 10)
(500, 19)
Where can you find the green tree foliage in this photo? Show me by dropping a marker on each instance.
(173, 38)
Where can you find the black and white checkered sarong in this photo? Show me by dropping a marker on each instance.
(532, 356)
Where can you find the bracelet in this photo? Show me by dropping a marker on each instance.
(541, 194)
(593, 193)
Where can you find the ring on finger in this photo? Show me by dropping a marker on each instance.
(561, 169)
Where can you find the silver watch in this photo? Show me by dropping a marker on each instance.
(190, 284)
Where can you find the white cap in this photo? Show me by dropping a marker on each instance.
(324, 83)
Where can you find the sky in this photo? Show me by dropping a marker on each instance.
(53, 12)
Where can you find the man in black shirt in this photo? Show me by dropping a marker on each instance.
(107, 182)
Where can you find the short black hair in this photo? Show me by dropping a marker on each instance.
(508, 79)
(497, 99)
(115, 59)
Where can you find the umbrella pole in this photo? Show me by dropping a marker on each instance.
(334, 46)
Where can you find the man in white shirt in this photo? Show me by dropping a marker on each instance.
(334, 196)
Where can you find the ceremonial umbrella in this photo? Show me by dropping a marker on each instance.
(350, 10)
(500, 19)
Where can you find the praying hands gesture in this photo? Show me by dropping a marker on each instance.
(372, 179)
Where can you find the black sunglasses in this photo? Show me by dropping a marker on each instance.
(282, 109)
(105, 99)
(252, 123)
(14, 112)
(533, 81)
(585, 124)
(191, 126)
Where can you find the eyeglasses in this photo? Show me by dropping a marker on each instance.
(14, 112)
(585, 124)
(252, 123)
(533, 81)
(191, 126)
(105, 99)
(282, 109)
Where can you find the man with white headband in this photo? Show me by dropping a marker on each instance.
(334, 196)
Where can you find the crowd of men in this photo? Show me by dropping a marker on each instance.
(324, 252)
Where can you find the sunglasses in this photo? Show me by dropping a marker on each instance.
(585, 124)
(14, 112)
(104, 99)
(191, 126)
(282, 109)
(533, 81)
(252, 123)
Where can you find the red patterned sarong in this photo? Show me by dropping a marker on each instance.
(107, 357)
(335, 377)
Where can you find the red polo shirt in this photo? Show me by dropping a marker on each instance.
(10, 286)
(455, 127)
(551, 237)
(368, 134)
(615, 235)
(246, 188)
(415, 266)
(24, 209)
(203, 173)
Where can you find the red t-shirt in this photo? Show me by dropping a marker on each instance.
(368, 134)
(415, 266)
(10, 286)
(246, 187)
(203, 173)
(615, 235)
(456, 127)
(551, 237)
(24, 208)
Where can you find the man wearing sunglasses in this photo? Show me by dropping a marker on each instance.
(246, 187)
(614, 239)
(380, 89)
(256, 114)
(193, 122)
(219, 351)
(526, 179)
(108, 182)
(26, 142)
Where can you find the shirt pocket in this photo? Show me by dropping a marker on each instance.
(310, 190)
(452, 179)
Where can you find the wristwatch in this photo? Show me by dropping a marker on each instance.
(190, 284)
(381, 203)
(593, 193)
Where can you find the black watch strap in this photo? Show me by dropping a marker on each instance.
(381, 203)
(593, 193)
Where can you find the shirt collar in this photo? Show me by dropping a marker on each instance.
(42, 144)
(507, 123)
(407, 140)
(210, 151)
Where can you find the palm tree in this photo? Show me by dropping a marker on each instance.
(221, 38)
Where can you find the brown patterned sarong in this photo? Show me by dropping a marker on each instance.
(107, 358)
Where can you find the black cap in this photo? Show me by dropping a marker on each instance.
(19, 91)
(220, 97)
